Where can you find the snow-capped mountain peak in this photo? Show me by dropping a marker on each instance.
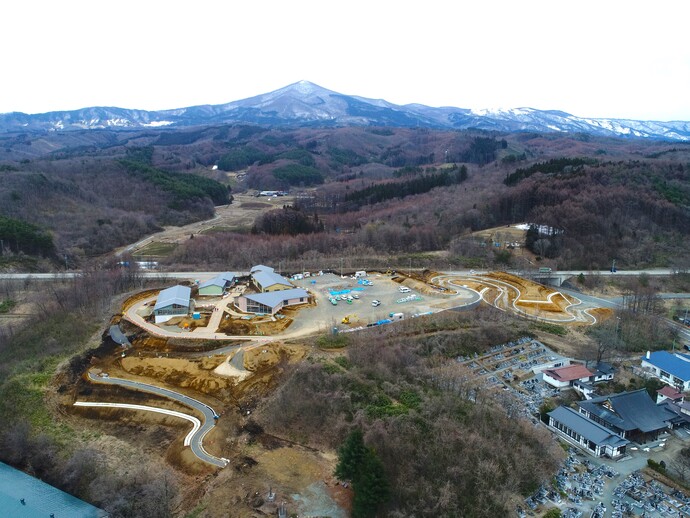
(306, 103)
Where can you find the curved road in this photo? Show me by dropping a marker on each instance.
(196, 441)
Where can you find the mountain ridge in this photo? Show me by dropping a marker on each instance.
(307, 104)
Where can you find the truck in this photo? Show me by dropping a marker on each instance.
(396, 316)
(359, 274)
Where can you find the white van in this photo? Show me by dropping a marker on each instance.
(360, 274)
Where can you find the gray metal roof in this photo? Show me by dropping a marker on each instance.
(605, 368)
(586, 427)
(273, 298)
(261, 268)
(265, 278)
(118, 336)
(40, 499)
(219, 280)
(631, 411)
(176, 295)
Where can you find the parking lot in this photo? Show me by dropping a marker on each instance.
(325, 315)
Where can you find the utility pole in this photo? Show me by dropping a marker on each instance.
(341, 266)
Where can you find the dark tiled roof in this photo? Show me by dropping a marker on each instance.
(631, 411)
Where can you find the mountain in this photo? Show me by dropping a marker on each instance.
(306, 104)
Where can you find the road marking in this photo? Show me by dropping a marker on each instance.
(187, 440)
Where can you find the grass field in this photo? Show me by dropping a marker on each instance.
(156, 249)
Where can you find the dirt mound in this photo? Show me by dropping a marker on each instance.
(262, 358)
(193, 374)
(256, 326)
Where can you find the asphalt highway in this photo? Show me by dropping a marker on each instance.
(196, 440)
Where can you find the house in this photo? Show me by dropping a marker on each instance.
(173, 302)
(563, 377)
(603, 372)
(261, 268)
(22, 495)
(591, 436)
(668, 393)
(632, 415)
(217, 285)
(268, 280)
(672, 368)
(271, 302)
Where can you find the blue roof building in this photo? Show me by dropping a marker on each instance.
(217, 285)
(172, 302)
(266, 280)
(23, 496)
(272, 302)
(673, 368)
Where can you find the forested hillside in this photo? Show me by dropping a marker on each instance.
(380, 193)
(435, 429)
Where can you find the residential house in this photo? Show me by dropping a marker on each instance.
(591, 436)
(603, 372)
(668, 393)
(173, 302)
(563, 377)
(672, 368)
(271, 302)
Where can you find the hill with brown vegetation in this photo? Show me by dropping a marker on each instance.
(382, 193)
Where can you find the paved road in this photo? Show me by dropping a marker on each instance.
(209, 275)
(196, 441)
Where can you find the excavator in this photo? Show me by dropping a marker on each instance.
(346, 319)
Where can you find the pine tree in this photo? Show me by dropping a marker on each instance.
(371, 486)
(350, 456)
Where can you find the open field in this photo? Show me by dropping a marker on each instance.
(239, 216)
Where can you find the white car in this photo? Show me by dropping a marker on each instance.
(375, 303)
(404, 289)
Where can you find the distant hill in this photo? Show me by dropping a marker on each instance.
(304, 104)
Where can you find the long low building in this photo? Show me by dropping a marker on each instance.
(271, 302)
(593, 437)
(217, 285)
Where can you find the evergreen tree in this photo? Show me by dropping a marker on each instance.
(350, 456)
(371, 486)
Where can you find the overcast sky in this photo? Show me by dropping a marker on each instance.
(604, 58)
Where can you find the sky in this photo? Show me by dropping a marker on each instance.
(604, 58)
